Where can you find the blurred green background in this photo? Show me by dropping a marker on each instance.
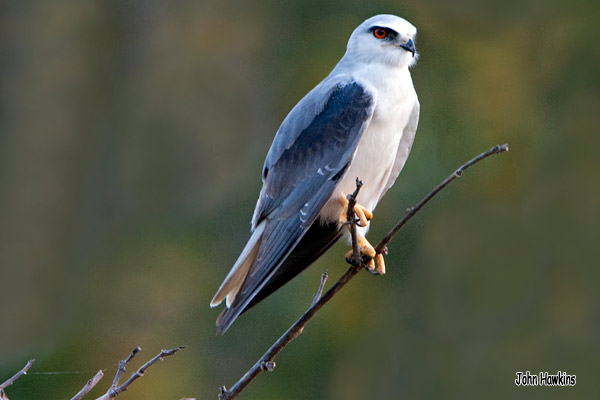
(132, 135)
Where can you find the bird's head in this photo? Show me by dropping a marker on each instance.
(384, 39)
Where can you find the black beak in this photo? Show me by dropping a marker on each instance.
(409, 46)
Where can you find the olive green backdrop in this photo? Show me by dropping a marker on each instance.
(132, 135)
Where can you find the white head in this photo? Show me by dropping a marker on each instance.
(384, 39)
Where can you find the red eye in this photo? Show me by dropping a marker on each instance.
(380, 33)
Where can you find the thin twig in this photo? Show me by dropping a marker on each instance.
(356, 259)
(317, 295)
(89, 385)
(115, 389)
(357, 263)
(122, 368)
(286, 338)
(381, 247)
(16, 376)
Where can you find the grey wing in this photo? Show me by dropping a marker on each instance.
(303, 161)
(408, 136)
(299, 181)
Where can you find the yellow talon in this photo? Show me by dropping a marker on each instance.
(365, 247)
(363, 214)
(380, 264)
(371, 265)
(376, 265)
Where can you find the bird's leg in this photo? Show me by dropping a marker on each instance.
(376, 264)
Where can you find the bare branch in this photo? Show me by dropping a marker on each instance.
(16, 376)
(266, 363)
(115, 389)
(122, 368)
(381, 247)
(89, 385)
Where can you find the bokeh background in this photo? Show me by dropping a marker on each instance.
(132, 135)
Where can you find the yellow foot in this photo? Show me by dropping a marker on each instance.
(376, 265)
(363, 215)
(366, 249)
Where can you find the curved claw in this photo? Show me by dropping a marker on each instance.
(380, 264)
(371, 266)
(376, 266)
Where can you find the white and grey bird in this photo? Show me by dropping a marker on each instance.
(359, 122)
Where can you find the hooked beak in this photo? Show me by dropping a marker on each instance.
(409, 46)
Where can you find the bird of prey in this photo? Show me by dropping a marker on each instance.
(359, 122)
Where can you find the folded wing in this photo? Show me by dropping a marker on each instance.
(300, 174)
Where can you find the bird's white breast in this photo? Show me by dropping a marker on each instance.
(378, 148)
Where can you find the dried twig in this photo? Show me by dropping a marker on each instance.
(115, 388)
(122, 369)
(12, 380)
(317, 295)
(266, 363)
(381, 247)
(89, 385)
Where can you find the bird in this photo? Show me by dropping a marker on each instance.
(359, 122)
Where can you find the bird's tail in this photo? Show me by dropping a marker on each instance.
(234, 280)
(316, 241)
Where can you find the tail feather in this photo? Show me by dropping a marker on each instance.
(317, 240)
(234, 280)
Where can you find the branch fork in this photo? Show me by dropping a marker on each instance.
(116, 388)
